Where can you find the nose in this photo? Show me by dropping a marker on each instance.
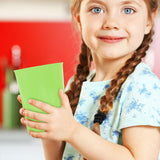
(111, 23)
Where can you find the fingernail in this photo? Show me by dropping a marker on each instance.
(23, 111)
(30, 101)
(30, 132)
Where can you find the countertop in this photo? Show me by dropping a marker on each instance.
(17, 145)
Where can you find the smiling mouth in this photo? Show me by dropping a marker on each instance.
(110, 39)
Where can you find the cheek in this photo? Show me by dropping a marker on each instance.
(91, 27)
(137, 33)
(84, 28)
(87, 32)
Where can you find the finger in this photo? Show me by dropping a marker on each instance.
(64, 98)
(19, 98)
(43, 106)
(23, 121)
(36, 116)
(36, 125)
(21, 111)
(41, 135)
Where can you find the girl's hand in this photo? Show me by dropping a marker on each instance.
(21, 111)
(59, 122)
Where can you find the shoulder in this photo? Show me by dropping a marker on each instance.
(69, 83)
(141, 87)
(89, 77)
(140, 98)
(142, 77)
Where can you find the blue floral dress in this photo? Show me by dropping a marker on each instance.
(138, 103)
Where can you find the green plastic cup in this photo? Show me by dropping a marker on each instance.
(41, 83)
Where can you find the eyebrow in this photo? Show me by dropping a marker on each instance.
(122, 3)
(131, 2)
(96, 1)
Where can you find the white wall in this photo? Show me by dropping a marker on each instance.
(34, 10)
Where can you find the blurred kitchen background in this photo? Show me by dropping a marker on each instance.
(32, 32)
(37, 32)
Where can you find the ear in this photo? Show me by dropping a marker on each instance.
(77, 21)
(150, 22)
(148, 26)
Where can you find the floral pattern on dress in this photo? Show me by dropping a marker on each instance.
(137, 103)
(94, 97)
(69, 158)
(81, 117)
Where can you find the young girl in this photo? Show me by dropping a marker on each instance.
(119, 100)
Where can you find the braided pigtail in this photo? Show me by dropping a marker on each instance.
(82, 71)
(106, 102)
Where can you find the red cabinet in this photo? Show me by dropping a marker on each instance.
(41, 43)
(50, 42)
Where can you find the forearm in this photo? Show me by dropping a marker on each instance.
(53, 150)
(94, 147)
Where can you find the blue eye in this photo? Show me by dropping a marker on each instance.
(97, 10)
(128, 11)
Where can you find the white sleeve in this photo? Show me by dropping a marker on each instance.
(69, 83)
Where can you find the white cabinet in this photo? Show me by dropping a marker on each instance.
(34, 10)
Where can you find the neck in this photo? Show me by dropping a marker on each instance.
(107, 69)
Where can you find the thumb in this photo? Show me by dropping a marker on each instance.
(64, 99)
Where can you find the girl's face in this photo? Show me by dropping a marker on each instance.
(113, 29)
